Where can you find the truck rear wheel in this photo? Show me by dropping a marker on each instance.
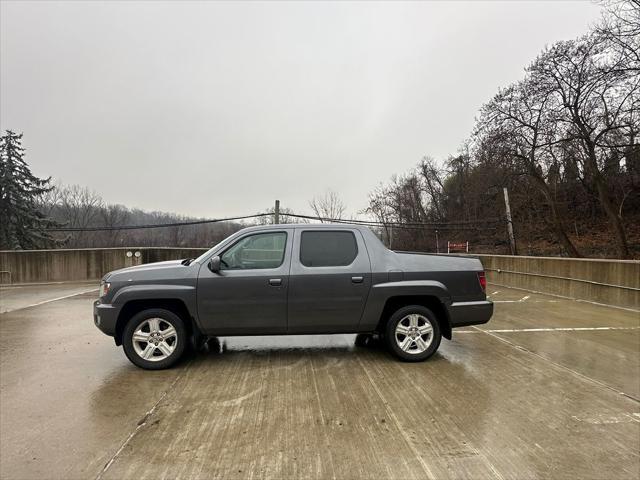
(413, 333)
(154, 339)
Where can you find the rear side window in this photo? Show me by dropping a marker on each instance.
(327, 249)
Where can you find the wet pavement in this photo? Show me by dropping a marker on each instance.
(14, 297)
(550, 388)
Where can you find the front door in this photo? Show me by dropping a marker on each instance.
(329, 282)
(249, 293)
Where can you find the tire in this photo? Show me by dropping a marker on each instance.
(158, 324)
(422, 330)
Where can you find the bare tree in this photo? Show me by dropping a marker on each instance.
(112, 216)
(328, 206)
(79, 204)
(597, 101)
(48, 201)
(433, 187)
(380, 208)
(522, 120)
(620, 29)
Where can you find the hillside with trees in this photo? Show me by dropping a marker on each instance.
(563, 140)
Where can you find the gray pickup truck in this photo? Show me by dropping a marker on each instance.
(292, 279)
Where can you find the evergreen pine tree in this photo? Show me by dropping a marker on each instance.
(22, 225)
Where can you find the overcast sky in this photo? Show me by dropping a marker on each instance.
(213, 109)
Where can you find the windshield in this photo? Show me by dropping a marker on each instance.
(202, 257)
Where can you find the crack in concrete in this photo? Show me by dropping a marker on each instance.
(327, 443)
(141, 423)
(392, 415)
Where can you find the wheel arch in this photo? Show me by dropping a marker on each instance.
(174, 305)
(431, 302)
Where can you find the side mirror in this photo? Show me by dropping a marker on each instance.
(214, 264)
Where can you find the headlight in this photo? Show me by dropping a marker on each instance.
(104, 288)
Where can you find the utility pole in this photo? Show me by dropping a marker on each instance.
(512, 239)
(437, 242)
(276, 213)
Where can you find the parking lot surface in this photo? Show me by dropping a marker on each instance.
(550, 388)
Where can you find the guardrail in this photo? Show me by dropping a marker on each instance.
(613, 282)
(60, 265)
(567, 278)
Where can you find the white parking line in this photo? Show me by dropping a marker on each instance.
(560, 365)
(524, 299)
(52, 300)
(550, 329)
(565, 297)
(607, 305)
(520, 301)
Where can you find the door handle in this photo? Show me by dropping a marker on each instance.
(275, 282)
(357, 279)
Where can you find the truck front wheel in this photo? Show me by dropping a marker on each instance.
(154, 339)
(413, 333)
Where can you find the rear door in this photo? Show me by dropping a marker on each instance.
(329, 280)
(249, 293)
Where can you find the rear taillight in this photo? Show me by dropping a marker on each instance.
(482, 279)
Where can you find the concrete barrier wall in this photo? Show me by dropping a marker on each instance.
(60, 265)
(614, 282)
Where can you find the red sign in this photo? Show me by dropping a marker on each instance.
(463, 246)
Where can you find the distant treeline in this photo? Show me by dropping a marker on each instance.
(78, 207)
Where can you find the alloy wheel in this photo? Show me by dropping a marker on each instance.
(414, 333)
(154, 339)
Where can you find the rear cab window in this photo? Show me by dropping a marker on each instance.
(328, 248)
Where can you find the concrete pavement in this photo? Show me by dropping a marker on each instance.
(549, 388)
(15, 297)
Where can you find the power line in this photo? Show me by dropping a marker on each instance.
(444, 226)
(155, 225)
(402, 226)
(393, 224)
(375, 223)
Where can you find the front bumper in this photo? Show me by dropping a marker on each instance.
(463, 314)
(105, 317)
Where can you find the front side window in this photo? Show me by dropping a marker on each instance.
(327, 249)
(262, 250)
